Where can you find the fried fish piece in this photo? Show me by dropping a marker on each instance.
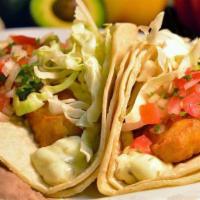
(48, 127)
(180, 142)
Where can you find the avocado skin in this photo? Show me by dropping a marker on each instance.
(43, 15)
(97, 10)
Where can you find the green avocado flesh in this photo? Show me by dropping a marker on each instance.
(59, 13)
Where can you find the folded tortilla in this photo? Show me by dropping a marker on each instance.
(130, 95)
(17, 143)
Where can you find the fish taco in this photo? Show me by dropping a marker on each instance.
(154, 134)
(55, 103)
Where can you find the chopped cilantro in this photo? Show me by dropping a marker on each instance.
(50, 39)
(27, 82)
(183, 113)
(151, 94)
(156, 128)
(10, 45)
(37, 41)
(164, 95)
(188, 77)
(2, 52)
(2, 78)
(175, 92)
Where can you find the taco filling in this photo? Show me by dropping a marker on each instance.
(55, 89)
(170, 131)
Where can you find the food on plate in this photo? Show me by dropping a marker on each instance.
(48, 128)
(119, 104)
(154, 136)
(55, 103)
(182, 137)
(60, 13)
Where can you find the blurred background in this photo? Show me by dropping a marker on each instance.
(181, 16)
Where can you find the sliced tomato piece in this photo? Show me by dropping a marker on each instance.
(191, 105)
(196, 75)
(142, 144)
(191, 83)
(24, 40)
(179, 83)
(194, 89)
(174, 106)
(29, 49)
(4, 101)
(182, 93)
(188, 71)
(150, 113)
(23, 61)
(2, 62)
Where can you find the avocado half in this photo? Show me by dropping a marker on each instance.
(59, 13)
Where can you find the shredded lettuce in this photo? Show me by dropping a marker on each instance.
(93, 78)
(35, 100)
(32, 103)
(71, 60)
(89, 141)
(62, 86)
(71, 108)
(133, 117)
(80, 92)
(85, 38)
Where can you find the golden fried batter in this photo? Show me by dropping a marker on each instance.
(180, 142)
(47, 127)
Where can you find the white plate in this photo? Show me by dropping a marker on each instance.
(189, 192)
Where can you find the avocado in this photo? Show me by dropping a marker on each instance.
(59, 13)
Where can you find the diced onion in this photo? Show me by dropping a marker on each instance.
(10, 93)
(33, 60)
(18, 52)
(12, 76)
(154, 98)
(8, 110)
(162, 103)
(8, 67)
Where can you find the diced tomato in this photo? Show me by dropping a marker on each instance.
(173, 106)
(194, 89)
(4, 101)
(196, 75)
(142, 144)
(182, 93)
(188, 71)
(191, 83)
(29, 49)
(150, 113)
(179, 83)
(191, 105)
(23, 61)
(24, 40)
(2, 62)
